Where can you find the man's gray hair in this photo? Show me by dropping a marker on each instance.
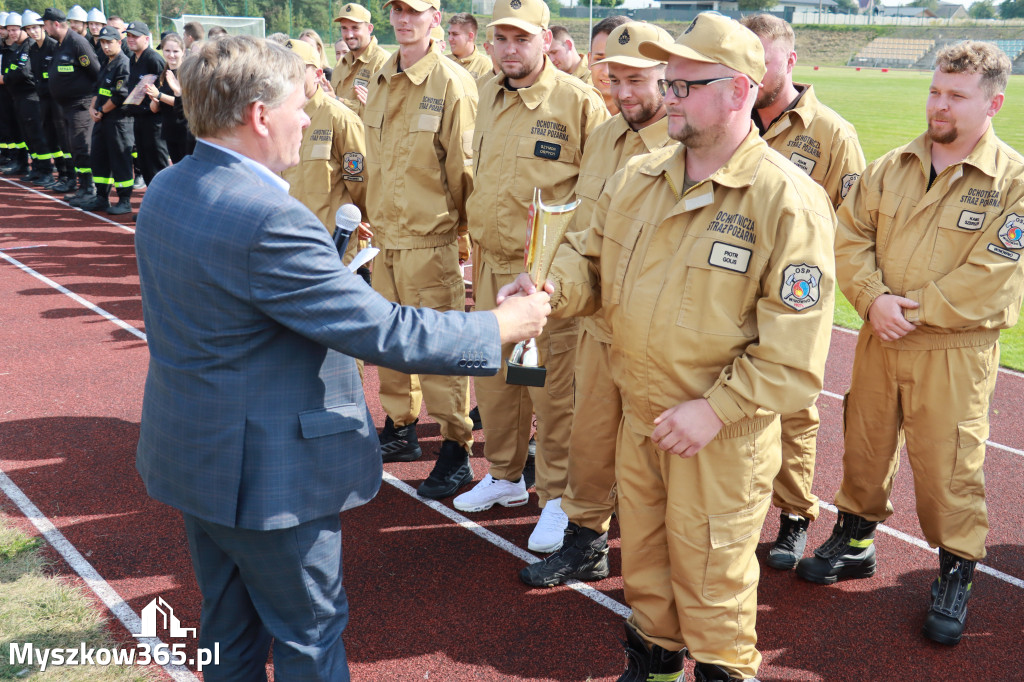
(225, 77)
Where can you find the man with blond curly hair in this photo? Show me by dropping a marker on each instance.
(928, 250)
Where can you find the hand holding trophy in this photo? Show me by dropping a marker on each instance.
(546, 226)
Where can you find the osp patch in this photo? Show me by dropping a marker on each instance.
(353, 163)
(1011, 234)
(800, 286)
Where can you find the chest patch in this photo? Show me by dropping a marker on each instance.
(547, 150)
(1011, 234)
(800, 286)
(970, 220)
(802, 162)
(729, 256)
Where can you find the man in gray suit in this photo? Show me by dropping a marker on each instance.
(253, 422)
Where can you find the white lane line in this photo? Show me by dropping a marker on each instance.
(990, 443)
(20, 248)
(118, 606)
(918, 542)
(66, 205)
(75, 297)
(498, 541)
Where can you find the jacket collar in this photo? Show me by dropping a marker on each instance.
(417, 73)
(534, 95)
(983, 156)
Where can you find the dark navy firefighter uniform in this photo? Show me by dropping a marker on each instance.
(113, 135)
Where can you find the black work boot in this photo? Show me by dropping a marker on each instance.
(474, 414)
(848, 553)
(124, 202)
(399, 444)
(790, 544)
(582, 556)
(530, 468)
(450, 472)
(646, 662)
(95, 202)
(706, 672)
(45, 179)
(950, 592)
(86, 191)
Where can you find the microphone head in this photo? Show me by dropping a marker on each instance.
(348, 217)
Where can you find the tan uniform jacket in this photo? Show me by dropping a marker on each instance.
(478, 63)
(582, 71)
(419, 136)
(955, 249)
(609, 148)
(726, 293)
(532, 137)
(820, 142)
(331, 171)
(352, 70)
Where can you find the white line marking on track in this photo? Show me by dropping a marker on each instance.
(500, 542)
(118, 606)
(75, 297)
(21, 248)
(66, 205)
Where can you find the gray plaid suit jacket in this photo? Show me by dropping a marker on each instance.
(253, 415)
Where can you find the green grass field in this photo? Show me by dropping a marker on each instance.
(888, 110)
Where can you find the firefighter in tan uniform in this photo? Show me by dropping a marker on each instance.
(929, 252)
(599, 72)
(352, 74)
(640, 127)
(331, 170)
(713, 262)
(564, 56)
(825, 146)
(532, 128)
(462, 29)
(419, 133)
(489, 51)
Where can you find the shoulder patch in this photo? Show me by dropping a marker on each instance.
(800, 286)
(83, 60)
(1011, 234)
(848, 181)
(353, 163)
(999, 251)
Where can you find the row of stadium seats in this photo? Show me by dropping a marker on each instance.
(1012, 48)
(895, 49)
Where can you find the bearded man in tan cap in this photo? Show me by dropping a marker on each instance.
(589, 500)
(532, 127)
(713, 262)
(365, 56)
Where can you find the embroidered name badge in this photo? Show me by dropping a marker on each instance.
(361, 82)
(800, 286)
(547, 150)
(802, 162)
(1011, 234)
(970, 220)
(729, 256)
(848, 181)
(1003, 252)
(353, 163)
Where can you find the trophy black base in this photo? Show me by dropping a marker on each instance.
(521, 375)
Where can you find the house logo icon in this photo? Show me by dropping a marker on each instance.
(160, 610)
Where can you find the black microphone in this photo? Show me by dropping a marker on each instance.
(346, 220)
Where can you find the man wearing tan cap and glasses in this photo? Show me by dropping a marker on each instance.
(713, 262)
(531, 131)
(589, 500)
(365, 56)
(419, 130)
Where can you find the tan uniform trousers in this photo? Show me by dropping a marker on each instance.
(792, 488)
(589, 498)
(507, 410)
(399, 275)
(689, 531)
(938, 399)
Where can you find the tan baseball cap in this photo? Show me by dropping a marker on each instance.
(532, 16)
(436, 33)
(418, 5)
(356, 13)
(624, 43)
(714, 39)
(306, 51)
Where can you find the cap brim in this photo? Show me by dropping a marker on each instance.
(137, 33)
(636, 62)
(358, 21)
(417, 5)
(662, 52)
(533, 29)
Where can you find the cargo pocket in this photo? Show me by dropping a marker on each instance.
(560, 384)
(968, 474)
(953, 241)
(622, 237)
(731, 566)
(717, 299)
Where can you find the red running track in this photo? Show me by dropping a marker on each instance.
(432, 599)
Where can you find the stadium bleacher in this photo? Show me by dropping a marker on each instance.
(1012, 48)
(897, 52)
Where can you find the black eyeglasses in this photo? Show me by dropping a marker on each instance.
(681, 88)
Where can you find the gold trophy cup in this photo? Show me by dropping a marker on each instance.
(545, 228)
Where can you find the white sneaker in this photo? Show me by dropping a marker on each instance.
(490, 491)
(547, 535)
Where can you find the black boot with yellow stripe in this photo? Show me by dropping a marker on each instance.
(848, 553)
(706, 672)
(649, 662)
(950, 592)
